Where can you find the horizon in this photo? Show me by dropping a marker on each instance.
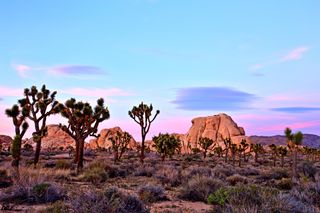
(258, 63)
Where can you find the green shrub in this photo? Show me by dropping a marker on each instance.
(95, 175)
(219, 197)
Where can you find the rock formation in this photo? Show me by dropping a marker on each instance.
(217, 127)
(5, 142)
(55, 139)
(104, 142)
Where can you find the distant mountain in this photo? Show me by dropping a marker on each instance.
(309, 140)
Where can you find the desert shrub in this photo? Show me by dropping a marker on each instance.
(219, 197)
(198, 188)
(145, 170)
(89, 153)
(94, 175)
(307, 169)
(112, 200)
(57, 207)
(116, 171)
(284, 184)
(151, 193)
(50, 164)
(276, 174)
(63, 164)
(248, 171)
(223, 171)
(197, 171)
(236, 178)
(169, 175)
(39, 193)
(5, 180)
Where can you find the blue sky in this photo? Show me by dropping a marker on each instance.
(258, 62)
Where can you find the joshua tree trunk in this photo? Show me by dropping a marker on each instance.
(294, 165)
(226, 156)
(239, 159)
(282, 161)
(142, 147)
(256, 157)
(16, 149)
(37, 153)
(80, 157)
(274, 160)
(116, 156)
(76, 154)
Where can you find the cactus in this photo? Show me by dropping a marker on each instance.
(18, 115)
(227, 143)
(166, 145)
(293, 140)
(142, 116)
(83, 121)
(41, 105)
(206, 144)
(120, 142)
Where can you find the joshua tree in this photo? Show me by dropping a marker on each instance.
(120, 142)
(234, 150)
(206, 144)
(166, 144)
(142, 116)
(242, 149)
(256, 149)
(227, 143)
(282, 152)
(83, 121)
(41, 105)
(274, 151)
(218, 150)
(294, 140)
(18, 115)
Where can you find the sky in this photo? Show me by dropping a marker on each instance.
(256, 61)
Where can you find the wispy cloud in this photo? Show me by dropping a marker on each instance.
(296, 109)
(75, 70)
(213, 98)
(292, 55)
(295, 54)
(25, 71)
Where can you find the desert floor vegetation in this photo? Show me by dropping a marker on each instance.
(182, 183)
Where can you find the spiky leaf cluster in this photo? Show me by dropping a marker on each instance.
(120, 142)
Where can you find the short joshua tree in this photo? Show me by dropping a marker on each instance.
(282, 152)
(120, 142)
(18, 115)
(227, 143)
(274, 151)
(256, 149)
(166, 145)
(206, 144)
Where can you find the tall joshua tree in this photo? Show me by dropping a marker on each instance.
(142, 115)
(41, 105)
(83, 121)
(294, 140)
(206, 144)
(18, 115)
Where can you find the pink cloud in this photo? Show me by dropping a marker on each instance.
(295, 54)
(22, 69)
(11, 92)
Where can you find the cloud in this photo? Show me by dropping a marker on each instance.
(25, 71)
(11, 92)
(75, 70)
(295, 54)
(96, 92)
(296, 109)
(212, 98)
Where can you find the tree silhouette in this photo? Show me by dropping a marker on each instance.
(142, 115)
(83, 121)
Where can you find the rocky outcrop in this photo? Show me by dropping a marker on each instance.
(5, 142)
(104, 142)
(217, 127)
(55, 139)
